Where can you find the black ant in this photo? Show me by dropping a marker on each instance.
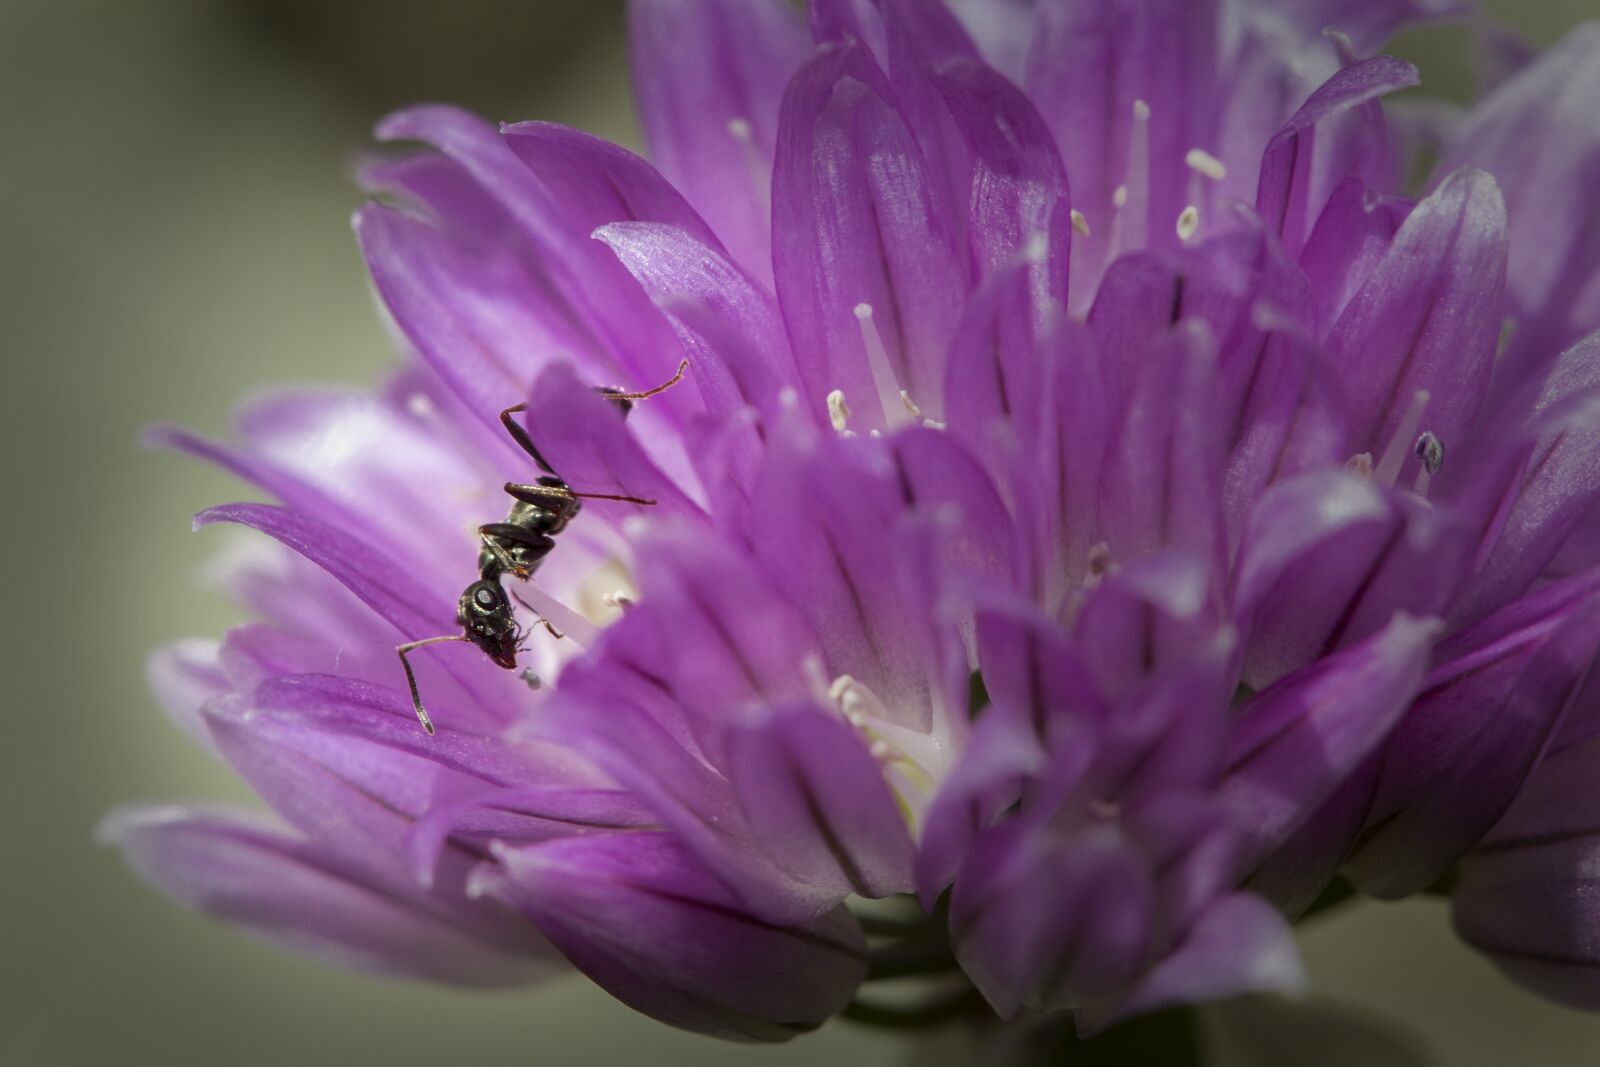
(517, 546)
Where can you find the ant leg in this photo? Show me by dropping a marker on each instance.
(618, 394)
(520, 436)
(555, 633)
(411, 679)
(538, 494)
(500, 555)
(538, 546)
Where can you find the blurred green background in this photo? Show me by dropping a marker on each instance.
(173, 235)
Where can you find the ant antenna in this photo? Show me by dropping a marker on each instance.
(565, 493)
(683, 365)
(411, 679)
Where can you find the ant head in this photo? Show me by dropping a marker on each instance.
(486, 618)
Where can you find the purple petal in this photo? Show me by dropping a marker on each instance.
(599, 183)
(857, 221)
(522, 815)
(357, 461)
(1161, 485)
(1462, 752)
(811, 789)
(1349, 240)
(390, 591)
(1088, 65)
(303, 897)
(1530, 904)
(1239, 945)
(485, 319)
(1328, 558)
(708, 76)
(1322, 144)
(1537, 134)
(604, 304)
(1293, 420)
(738, 347)
(1046, 922)
(1000, 756)
(185, 676)
(1530, 488)
(1019, 194)
(639, 916)
(1427, 319)
(1296, 742)
(582, 435)
(1034, 676)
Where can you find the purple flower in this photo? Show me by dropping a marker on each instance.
(1100, 503)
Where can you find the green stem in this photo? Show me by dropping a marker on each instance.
(915, 1016)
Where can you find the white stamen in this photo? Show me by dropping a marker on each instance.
(1205, 164)
(1188, 222)
(880, 751)
(1080, 225)
(838, 411)
(883, 375)
(788, 396)
(419, 405)
(1119, 197)
(934, 424)
(910, 405)
(1394, 457)
(1037, 248)
(1137, 179)
(755, 161)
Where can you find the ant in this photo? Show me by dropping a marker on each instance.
(516, 547)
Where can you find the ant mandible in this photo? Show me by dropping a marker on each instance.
(516, 547)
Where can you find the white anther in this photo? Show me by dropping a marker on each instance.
(840, 686)
(934, 424)
(740, 129)
(788, 397)
(838, 411)
(1188, 222)
(874, 433)
(1119, 197)
(419, 405)
(1205, 164)
(910, 405)
(1141, 111)
(880, 751)
(1080, 225)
